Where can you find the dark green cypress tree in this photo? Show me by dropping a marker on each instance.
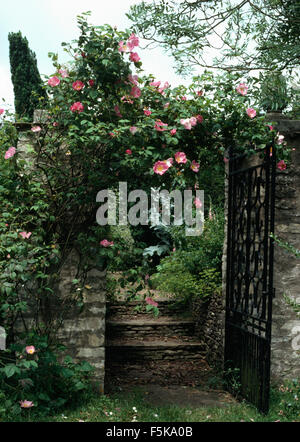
(25, 76)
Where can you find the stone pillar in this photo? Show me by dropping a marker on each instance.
(285, 345)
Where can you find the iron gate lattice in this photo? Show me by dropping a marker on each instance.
(249, 285)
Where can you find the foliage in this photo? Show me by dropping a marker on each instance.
(193, 270)
(41, 378)
(274, 94)
(243, 35)
(27, 83)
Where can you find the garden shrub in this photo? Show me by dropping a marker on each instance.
(35, 374)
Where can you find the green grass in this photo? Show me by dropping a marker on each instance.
(133, 408)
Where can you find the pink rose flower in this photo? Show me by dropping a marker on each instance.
(281, 165)
(198, 203)
(242, 89)
(117, 111)
(186, 123)
(199, 118)
(1, 111)
(128, 152)
(133, 79)
(150, 301)
(133, 129)
(183, 98)
(135, 92)
(106, 243)
(30, 349)
(122, 46)
(270, 126)
(53, 81)
(169, 162)
(78, 85)
(166, 105)
(132, 41)
(251, 112)
(195, 166)
(77, 107)
(25, 235)
(279, 139)
(64, 73)
(193, 121)
(91, 83)
(55, 124)
(199, 93)
(10, 152)
(173, 131)
(160, 167)
(180, 157)
(155, 83)
(26, 404)
(36, 129)
(147, 112)
(160, 126)
(134, 57)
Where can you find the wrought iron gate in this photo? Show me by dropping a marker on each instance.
(249, 286)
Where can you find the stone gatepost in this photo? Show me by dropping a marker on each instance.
(285, 343)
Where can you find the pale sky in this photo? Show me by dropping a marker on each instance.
(47, 23)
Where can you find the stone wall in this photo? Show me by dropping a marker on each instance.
(285, 344)
(83, 330)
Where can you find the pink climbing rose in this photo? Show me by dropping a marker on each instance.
(10, 152)
(199, 118)
(78, 85)
(117, 111)
(133, 129)
(25, 235)
(132, 41)
(128, 151)
(134, 57)
(150, 301)
(281, 165)
(30, 349)
(64, 73)
(26, 404)
(279, 139)
(53, 81)
(91, 83)
(198, 203)
(169, 162)
(77, 107)
(251, 112)
(186, 123)
(36, 129)
(122, 46)
(106, 243)
(195, 166)
(1, 111)
(147, 112)
(180, 157)
(242, 89)
(173, 131)
(133, 79)
(160, 167)
(160, 126)
(135, 92)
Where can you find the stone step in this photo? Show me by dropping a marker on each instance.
(161, 326)
(160, 372)
(183, 348)
(122, 309)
